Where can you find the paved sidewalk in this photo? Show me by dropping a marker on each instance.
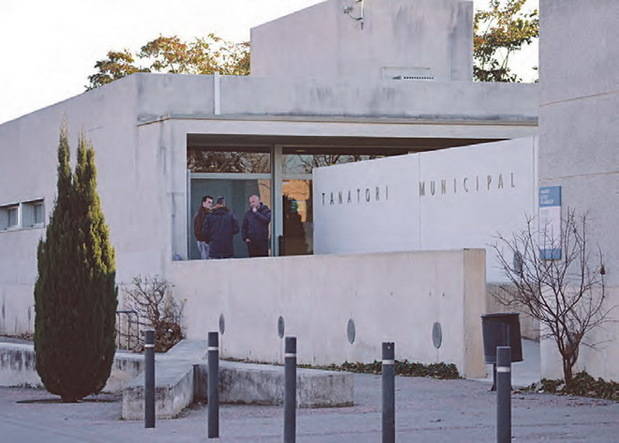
(427, 411)
(526, 372)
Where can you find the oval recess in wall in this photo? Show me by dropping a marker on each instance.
(437, 335)
(350, 331)
(281, 327)
(222, 324)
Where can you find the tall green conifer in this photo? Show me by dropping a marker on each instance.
(75, 293)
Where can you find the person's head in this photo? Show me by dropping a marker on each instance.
(254, 201)
(207, 202)
(220, 202)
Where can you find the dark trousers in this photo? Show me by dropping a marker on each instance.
(258, 248)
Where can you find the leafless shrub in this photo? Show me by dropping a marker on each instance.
(156, 308)
(567, 293)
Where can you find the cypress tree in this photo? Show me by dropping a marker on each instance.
(75, 292)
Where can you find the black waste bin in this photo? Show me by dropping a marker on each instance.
(502, 329)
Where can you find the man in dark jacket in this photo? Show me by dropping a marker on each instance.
(198, 225)
(220, 227)
(256, 227)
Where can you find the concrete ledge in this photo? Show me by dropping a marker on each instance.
(180, 383)
(181, 379)
(247, 383)
(18, 367)
(174, 391)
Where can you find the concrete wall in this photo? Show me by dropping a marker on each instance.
(139, 124)
(161, 96)
(429, 36)
(579, 129)
(18, 367)
(132, 192)
(459, 197)
(435, 100)
(393, 296)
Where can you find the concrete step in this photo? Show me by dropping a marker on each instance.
(181, 378)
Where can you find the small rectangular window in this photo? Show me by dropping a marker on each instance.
(33, 214)
(13, 216)
(39, 213)
(229, 160)
(9, 217)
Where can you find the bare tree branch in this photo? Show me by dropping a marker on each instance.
(567, 295)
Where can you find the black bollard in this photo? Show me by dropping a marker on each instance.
(213, 385)
(290, 395)
(504, 394)
(149, 378)
(388, 392)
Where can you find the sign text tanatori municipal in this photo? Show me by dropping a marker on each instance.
(466, 184)
(356, 195)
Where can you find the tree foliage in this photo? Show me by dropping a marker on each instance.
(75, 292)
(500, 31)
(173, 55)
(566, 295)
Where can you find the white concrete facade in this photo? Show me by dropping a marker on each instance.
(458, 197)
(389, 297)
(425, 39)
(579, 129)
(139, 128)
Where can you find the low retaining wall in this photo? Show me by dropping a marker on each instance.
(246, 383)
(174, 391)
(181, 378)
(17, 367)
(341, 307)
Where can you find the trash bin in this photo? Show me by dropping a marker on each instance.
(502, 329)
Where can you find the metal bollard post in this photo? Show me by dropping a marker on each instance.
(290, 395)
(213, 385)
(388, 392)
(504, 394)
(149, 378)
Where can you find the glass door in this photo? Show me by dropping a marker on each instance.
(236, 191)
(235, 173)
(298, 218)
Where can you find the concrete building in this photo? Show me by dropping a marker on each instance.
(453, 198)
(397, 81)
(579, 148)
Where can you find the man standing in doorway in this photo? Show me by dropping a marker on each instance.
(256, 227)
(198, 225)
(220, 228)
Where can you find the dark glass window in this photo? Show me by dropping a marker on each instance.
(228, 160)
(302, 161)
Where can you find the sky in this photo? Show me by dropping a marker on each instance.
(49, 47)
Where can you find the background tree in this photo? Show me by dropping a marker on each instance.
(75, 292)
(499, 31)
(118, 64)
(567, 295)
(173, 55)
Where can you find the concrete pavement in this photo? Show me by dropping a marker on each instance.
(427, 411)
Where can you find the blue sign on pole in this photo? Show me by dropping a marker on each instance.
(550, 222)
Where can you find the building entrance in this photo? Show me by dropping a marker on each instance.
(279, 171)
(236, 191)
